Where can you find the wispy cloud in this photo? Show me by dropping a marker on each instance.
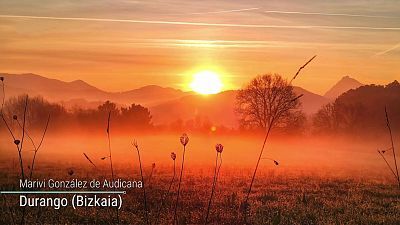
(183, 23)
(332, 14)
(389, 49)
(251, 44)
(218, 12)
(218, 43)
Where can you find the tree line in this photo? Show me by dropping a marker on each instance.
(132, 117)
(266, 98)
(360, 111)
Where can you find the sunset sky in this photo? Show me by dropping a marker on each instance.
(120, 45)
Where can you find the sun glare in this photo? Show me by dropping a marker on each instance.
(206, 82)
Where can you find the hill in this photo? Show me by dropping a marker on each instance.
(166, 104)
(219, 108)
(343, 85)
(56, 91)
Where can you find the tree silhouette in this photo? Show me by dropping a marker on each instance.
(37, 112)
(268, 100)
(132, 117)
(359, 111)
(265, 102)
(107, 107)
(136, 115)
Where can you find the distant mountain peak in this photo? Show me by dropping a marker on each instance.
(82, 85)
(348, 78)
(394, 84)
(343, 85)
(153, 86)
(154, 89)
(57, 90)
(78, 82)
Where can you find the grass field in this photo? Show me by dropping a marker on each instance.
(343, 184)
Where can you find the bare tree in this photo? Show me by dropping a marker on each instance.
(339, 117)
(268, 100)
(326, 119)
(264, 103)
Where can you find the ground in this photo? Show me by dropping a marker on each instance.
(277, 198)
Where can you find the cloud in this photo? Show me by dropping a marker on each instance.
(183, 23)
(389, 49)
(250, 44)
(218, 12)
(332, 14)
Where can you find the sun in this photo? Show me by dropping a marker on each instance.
(206, 82)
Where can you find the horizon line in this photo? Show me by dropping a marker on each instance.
(179, 89)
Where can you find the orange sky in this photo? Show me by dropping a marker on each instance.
(120, 45)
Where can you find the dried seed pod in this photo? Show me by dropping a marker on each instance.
(173, 155)
(184, 139)
(219, 148)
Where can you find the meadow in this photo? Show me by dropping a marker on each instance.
(318, 180)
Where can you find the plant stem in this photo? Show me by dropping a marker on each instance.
(394, 152)
(109, 146)
(20, 155)
(4, 97)
(387, 163)
(21, 164)
(38, 147)
(19, 147)
(212, 189)
(110, 155)
(258, 162)
(165, 196)
(179, 185)
(144, 188)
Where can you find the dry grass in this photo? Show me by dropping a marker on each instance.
(184, 139)
(219, 148)
(277, 198)
(135, 144)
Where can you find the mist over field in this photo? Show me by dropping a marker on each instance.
(315, 175)
(328, 156)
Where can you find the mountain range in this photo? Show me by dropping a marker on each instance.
(78, 90)
(166, 104)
